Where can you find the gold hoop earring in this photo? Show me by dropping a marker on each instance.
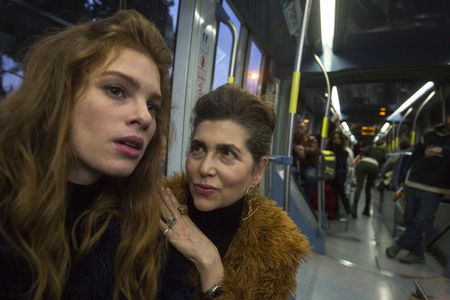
(251, 199)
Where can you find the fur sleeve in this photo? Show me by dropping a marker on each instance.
(263, 260)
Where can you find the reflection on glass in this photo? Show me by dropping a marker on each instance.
(38, 17)
(251, 83)
(11, 74)
(224, 47)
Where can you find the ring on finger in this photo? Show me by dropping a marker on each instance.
(182, 208)
(171, 222)
(166, 231)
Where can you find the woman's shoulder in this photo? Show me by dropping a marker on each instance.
(267, 251)
(276, 232)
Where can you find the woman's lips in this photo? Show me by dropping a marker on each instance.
(204, 189)
(131, 146)
(128, 150)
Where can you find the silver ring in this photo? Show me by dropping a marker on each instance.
(171, 222)
(166, 231)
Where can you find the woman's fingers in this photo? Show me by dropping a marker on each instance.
(164, 228)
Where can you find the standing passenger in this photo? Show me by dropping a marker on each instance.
(427, 181)
(80, 142)
(367, 168)
(235, 243)
(337, 145)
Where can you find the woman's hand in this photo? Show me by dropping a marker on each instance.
(185, 236)
(433, 151)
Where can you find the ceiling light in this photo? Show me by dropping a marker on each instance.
(385, 127)
(335, 100)
(345, 126)
(395, 116)
(327, 13)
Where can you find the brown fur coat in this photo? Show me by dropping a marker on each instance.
(262, 260)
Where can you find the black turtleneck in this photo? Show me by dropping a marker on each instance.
(79, 197)
(219, 225)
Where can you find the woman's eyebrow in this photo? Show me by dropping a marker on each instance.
(131, 80)
(229, 146)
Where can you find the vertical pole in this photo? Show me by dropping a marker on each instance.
(294, 99)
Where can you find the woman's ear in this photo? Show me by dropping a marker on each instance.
(260, 167)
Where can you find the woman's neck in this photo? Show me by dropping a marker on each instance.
(219, 225)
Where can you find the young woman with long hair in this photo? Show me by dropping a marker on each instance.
(80, 144)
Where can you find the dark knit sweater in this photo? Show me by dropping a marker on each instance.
(90, 278)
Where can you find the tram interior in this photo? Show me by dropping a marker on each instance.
(380, 53)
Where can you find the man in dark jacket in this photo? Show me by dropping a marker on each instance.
(426, 183)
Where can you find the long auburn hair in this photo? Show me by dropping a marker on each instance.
(35, 154)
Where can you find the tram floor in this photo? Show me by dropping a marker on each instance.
(355, 266)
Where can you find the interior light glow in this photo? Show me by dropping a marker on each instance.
(199, 18)
(385, 127)
(327, 12)
(345, 126)
(410, 101)
(335, 100)
(253, 75)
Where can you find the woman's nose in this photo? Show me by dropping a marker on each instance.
(208, 166)
(141, 116)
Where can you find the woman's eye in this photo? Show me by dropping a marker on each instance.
(115, 91)
(153, 108)
(229, 154)
(196, 150)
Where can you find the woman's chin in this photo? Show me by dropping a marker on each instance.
(204, 205)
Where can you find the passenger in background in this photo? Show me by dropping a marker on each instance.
(80, 143)
(427, 181)
(232, 241)
(350, 182)
(357, 147)
(368, 164)
(306, 153)
(387, 171)
(337, 145)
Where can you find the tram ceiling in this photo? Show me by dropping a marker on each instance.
(393, 45)
(382, 52)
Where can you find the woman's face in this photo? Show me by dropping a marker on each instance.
(219, 165)
(337, 139)
(114, 117)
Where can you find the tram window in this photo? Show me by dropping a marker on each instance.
(223, 49)
(173, 12)
(252, 80)
(10, 75)
(39, 17)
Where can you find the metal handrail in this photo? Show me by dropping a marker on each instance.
(420, 290)
(397, 137)
(416, 117)
(295, 86)
(222, 16)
